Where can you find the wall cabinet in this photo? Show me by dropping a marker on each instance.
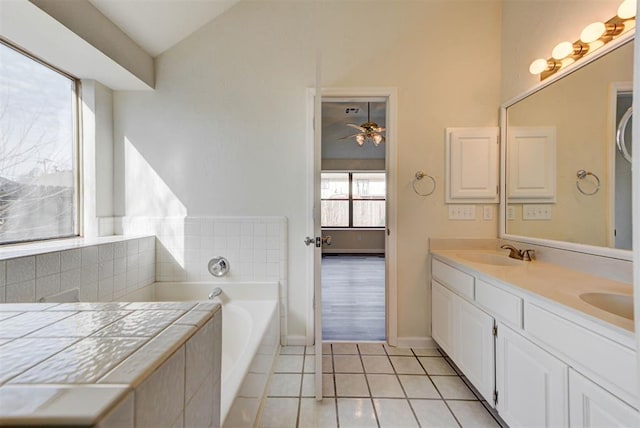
(466, 334)
(532, 384)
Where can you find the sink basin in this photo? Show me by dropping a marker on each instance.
(490, 259)
(617, 304)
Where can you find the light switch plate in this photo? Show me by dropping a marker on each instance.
(511, 213)
(536, 212)
(487, 212)
(462, 212)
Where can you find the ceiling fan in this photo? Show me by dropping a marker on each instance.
(369, 131)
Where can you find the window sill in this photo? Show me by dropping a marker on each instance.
(11, 251)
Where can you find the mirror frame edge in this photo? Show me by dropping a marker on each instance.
(608, 252)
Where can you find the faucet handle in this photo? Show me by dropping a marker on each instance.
(528, 255)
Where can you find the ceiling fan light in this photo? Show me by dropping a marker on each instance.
(360, 138)
(377, 139)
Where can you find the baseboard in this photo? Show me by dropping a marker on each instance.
(296, 340)
(354, 251)
(420, 342)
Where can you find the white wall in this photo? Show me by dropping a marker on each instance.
(223, 134)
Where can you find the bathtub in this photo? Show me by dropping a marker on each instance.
(250, 339)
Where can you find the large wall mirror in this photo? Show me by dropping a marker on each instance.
(566, 178)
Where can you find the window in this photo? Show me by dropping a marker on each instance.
(353, 199)
(38, 150)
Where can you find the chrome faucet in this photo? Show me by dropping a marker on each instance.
(514, 253)
(215, 293)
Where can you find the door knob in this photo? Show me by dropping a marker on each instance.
(308, 240)
(327, 240)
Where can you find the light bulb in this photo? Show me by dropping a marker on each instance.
(627, 9)
(592, 32)
(538, 66)
(377, 139)
(562, 50)
(360, 139)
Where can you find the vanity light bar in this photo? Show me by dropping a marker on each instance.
(593, 36)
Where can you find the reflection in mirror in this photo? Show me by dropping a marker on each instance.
(551, 135)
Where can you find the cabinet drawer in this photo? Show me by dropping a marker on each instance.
(458, 281)
(502, 304)
(610, 364)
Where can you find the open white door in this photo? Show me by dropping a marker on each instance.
(317, 244)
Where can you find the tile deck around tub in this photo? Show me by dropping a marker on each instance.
(73, 352)
(371, 385)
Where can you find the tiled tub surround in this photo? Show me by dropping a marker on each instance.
(256, 248)
(101, 269)
(545, 333)
(250, 339)
(110, 364)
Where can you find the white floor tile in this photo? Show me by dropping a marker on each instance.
(289, 364)
(385, 385)
(472, 414)
(433, 414)
(371, 349)
(292, 350)
(279, 413)
(376, 364)
(436, 366)
(453, 387)
(318, 414)
(347, 364)
(345, 348)
(417, 386)
(285, 385)
(328, 389)
(427, 352)
(310, 350)
(309, 363)
(407, 365)
(392, 350)
(394, 413)
(351, 385)
(308, 383)
(356, 412)
(327, 364)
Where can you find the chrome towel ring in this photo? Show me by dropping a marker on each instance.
(582, 174)
(622, 127)
(419, 176)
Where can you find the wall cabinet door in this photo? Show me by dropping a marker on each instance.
(592, 406)
(442, 317)
(474, 345)
(532, 385)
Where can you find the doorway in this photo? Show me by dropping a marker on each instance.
(353, 212)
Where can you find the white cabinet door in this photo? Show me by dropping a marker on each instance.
(532, 385)
(531, 163)
(471, 165)
(442, 317)
(474, 346)
(592, 406)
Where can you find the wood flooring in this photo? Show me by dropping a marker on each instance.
(353, 298)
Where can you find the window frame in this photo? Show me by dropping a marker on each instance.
(350, 199)
(76, 150)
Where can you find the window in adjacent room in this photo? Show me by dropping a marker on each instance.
(38, 149)
(353, 199)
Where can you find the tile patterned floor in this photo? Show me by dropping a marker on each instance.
(371, 385)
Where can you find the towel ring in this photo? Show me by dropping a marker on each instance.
(582, 174)
(419, 176)
(620, 140)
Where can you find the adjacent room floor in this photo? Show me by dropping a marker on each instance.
(371, 385)
(353, 298)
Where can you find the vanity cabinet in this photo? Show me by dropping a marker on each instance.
(532, 384)
(593, 406)
(538, 364)
(466, 334)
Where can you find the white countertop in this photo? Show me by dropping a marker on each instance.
(70, 363)
(552, 282)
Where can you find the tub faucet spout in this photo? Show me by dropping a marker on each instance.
(215, 293)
